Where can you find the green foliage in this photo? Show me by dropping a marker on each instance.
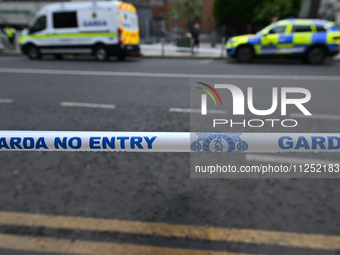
(279, 8)
(186, 11)
(236, 11)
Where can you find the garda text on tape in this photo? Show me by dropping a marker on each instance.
(298, 155)
(169, 142)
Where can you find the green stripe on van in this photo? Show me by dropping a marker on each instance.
(73, 35)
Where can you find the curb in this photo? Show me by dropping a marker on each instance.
(10, 54)
(336, 59)
(142, 56)
(185, 57)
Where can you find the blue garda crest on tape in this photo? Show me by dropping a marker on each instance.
(219, 142)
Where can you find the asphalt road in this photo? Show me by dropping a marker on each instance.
(148, 187)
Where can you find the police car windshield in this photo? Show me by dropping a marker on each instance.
(267, 28)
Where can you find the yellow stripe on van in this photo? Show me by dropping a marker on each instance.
(24, 38)
(130, 37)
(127, 7)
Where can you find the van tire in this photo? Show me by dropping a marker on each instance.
(101, 53)
(58, 56)
(245, 54)
(315, 55)
(121, 57)
(33, 52)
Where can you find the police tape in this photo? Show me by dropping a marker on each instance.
(99, 141)
(94, 141)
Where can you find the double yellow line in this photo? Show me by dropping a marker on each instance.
(56, 245)
(260, 237)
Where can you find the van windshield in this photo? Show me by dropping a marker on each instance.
(129, 20)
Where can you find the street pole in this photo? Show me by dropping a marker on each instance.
(223, 41)
(222, 46)
(162, 43)
(192, 46)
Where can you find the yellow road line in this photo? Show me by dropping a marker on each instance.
(310, 241)
(47, 244)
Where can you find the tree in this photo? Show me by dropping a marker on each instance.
(189, 11)
(234, 11)
(277, 8)
(238, 11)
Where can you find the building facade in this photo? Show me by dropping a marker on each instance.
(330, 10)
(173, 24)
(154, 15)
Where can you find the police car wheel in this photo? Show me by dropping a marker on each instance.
(101, 53)
(316, 55)
(33, 52)
(245, 54)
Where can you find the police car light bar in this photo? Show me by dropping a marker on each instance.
(95, 141)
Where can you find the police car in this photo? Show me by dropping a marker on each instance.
(311, 40)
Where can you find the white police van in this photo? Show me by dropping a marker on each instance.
(100, 28)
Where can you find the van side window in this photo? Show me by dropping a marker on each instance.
(65, 20)
(39, 25)
(301, 29)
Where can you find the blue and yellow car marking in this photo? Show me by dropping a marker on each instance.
(288, 42)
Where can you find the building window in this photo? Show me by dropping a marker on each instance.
(174, 13)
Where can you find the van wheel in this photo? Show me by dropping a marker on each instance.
(33, 52)
(316, 55)
(245, 54)
(121, 57)
(101, 53)
(58, 56)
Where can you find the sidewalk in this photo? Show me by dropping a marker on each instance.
(10, 53)
(171, 51)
